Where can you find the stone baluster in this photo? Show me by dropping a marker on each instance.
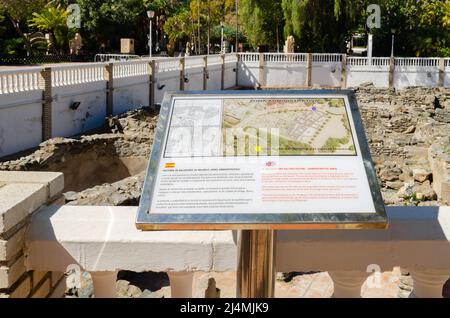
(181, 284)
(428, 283)
(104, 284)
(347, 284)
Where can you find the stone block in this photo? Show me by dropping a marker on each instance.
(17, 201)
(54, 181)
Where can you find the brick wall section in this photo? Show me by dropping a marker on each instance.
(21, 195)
(46, 85)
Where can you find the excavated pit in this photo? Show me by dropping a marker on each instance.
(94, 160)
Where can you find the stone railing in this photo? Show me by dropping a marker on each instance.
(38, 242)
(19, 80)
(68, 100)
(297, 70)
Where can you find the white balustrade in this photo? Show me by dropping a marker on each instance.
(181, 284)
(417, 61)
(417, 239)
(428, 283)
(27, 79)
(347, 284)
(115, 57)
(19, 80)
(130, 69)
(194, 62)
(214, 60)
(249, 57)
(326, 58)
(364, 61)
(285, 57)
(66, 75)
(167, 65)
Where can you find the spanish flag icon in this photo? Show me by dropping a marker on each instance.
(169, 165)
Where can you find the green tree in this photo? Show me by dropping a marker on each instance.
(196, 21)
(260, 21)
(319, 25)
(53, 20)
(179, 26)
(106, 21)
(421, 28)
(18, 12)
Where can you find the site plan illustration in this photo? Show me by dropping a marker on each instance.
(254, 127)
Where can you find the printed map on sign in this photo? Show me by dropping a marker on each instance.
(253, 127)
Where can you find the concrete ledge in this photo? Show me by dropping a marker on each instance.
(105, 239)
(22, 193)
(417, 237)
(17, 201)
(54, 181)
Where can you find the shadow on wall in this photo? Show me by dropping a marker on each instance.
(87, 170)
(248, 79)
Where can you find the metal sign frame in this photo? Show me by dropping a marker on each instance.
(260, 221)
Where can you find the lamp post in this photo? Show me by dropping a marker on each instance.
(392, 46)
(150, 14)
(237, 24)
(222, 49)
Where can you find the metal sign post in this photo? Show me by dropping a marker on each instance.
(256, 264)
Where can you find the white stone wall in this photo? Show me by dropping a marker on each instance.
(21, 90)
(21, 194)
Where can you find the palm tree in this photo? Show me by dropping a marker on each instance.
(54, 21)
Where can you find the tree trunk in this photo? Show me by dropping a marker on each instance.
(53, 45)
(237, 25)
(278, 38)
(194, 41)
(209, 28)
(19, 31)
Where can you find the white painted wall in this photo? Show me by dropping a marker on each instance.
(405, 76)
(130, 93)
(215, 77)
(447, 77)
(21, 91)
(326, 74)
(378, 75)
(285, 74)
(230, 75)
(167, 82)
(90, 114)
(20, 121)
(248, 74)
(195, 77)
